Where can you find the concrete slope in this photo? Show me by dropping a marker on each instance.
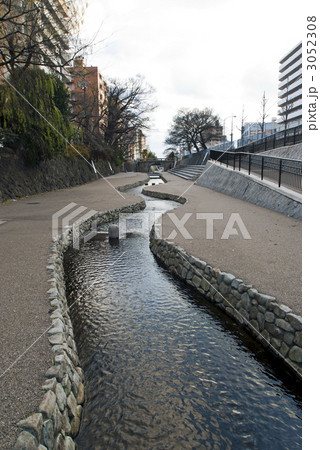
(290, 151)
(251, 189)
(270, 260)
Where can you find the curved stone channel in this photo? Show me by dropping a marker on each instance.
(163, 367)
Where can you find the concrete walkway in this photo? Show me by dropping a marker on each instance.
(270, 260)
(25, 237)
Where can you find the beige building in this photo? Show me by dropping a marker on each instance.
(137, 147)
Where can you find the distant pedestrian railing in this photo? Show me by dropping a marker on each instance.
(285, 172)
(195, 159)
(282, 138)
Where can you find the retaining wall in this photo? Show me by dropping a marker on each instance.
(17, 179)
(58, 419)
(272, 324)
(244, 187)
(291, 152)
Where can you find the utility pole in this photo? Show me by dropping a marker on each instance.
(243, 118)
(232, 116)
(263, 115)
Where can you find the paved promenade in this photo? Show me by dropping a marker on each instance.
(25, 237)
(271, 261)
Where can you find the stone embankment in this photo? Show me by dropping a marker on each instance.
(290, 151)
(58, 419)
(271, 323)
(245, 187)
(17, 179)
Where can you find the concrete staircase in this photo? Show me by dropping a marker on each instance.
(188, 172)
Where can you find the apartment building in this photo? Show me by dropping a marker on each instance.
(138, 145)
(89, 96)
(36, 33)
(59, 19)
(290, 89)
(252, 131)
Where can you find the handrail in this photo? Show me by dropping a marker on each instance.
(275, 140)
(283, 171)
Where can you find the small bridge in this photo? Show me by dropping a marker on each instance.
(144, 165)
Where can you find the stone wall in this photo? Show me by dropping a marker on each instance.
(272, 324)
(290, 151)
(243, 186)
(57, 422)
(20, 180)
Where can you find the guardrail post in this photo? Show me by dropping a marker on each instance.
(280, 167)
(227, 159)
(234, 161)
(262, 163)
(239, 162)
(249, 170)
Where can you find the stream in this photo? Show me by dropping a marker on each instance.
(165, 369)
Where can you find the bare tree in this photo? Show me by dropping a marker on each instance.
(129, 108)
(194, 129)
(241, 129)
(38, 33)
(287, 108)
(263, 114)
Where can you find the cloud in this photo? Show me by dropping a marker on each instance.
(220, 54)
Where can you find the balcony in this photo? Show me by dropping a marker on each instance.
(291, 52)
(289, 88)
(59, 15)
(290, 61)
(291, 70)
(290, 98)
(295, 111)
(291, 78)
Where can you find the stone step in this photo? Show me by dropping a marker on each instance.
(188, 172)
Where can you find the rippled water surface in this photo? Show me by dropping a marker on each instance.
(164, 369)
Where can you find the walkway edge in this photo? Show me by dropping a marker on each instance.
(58, 419)
(272, 324)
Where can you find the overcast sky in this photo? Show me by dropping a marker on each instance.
(220, 54)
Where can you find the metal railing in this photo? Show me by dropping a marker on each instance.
(285, 172)
(195, 159)
(282, 138)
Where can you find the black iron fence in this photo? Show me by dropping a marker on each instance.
(283, 171)
(194, 159)
(282, 138)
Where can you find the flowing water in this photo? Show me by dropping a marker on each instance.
(164, 369)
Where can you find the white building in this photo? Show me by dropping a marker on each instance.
(290, 89)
